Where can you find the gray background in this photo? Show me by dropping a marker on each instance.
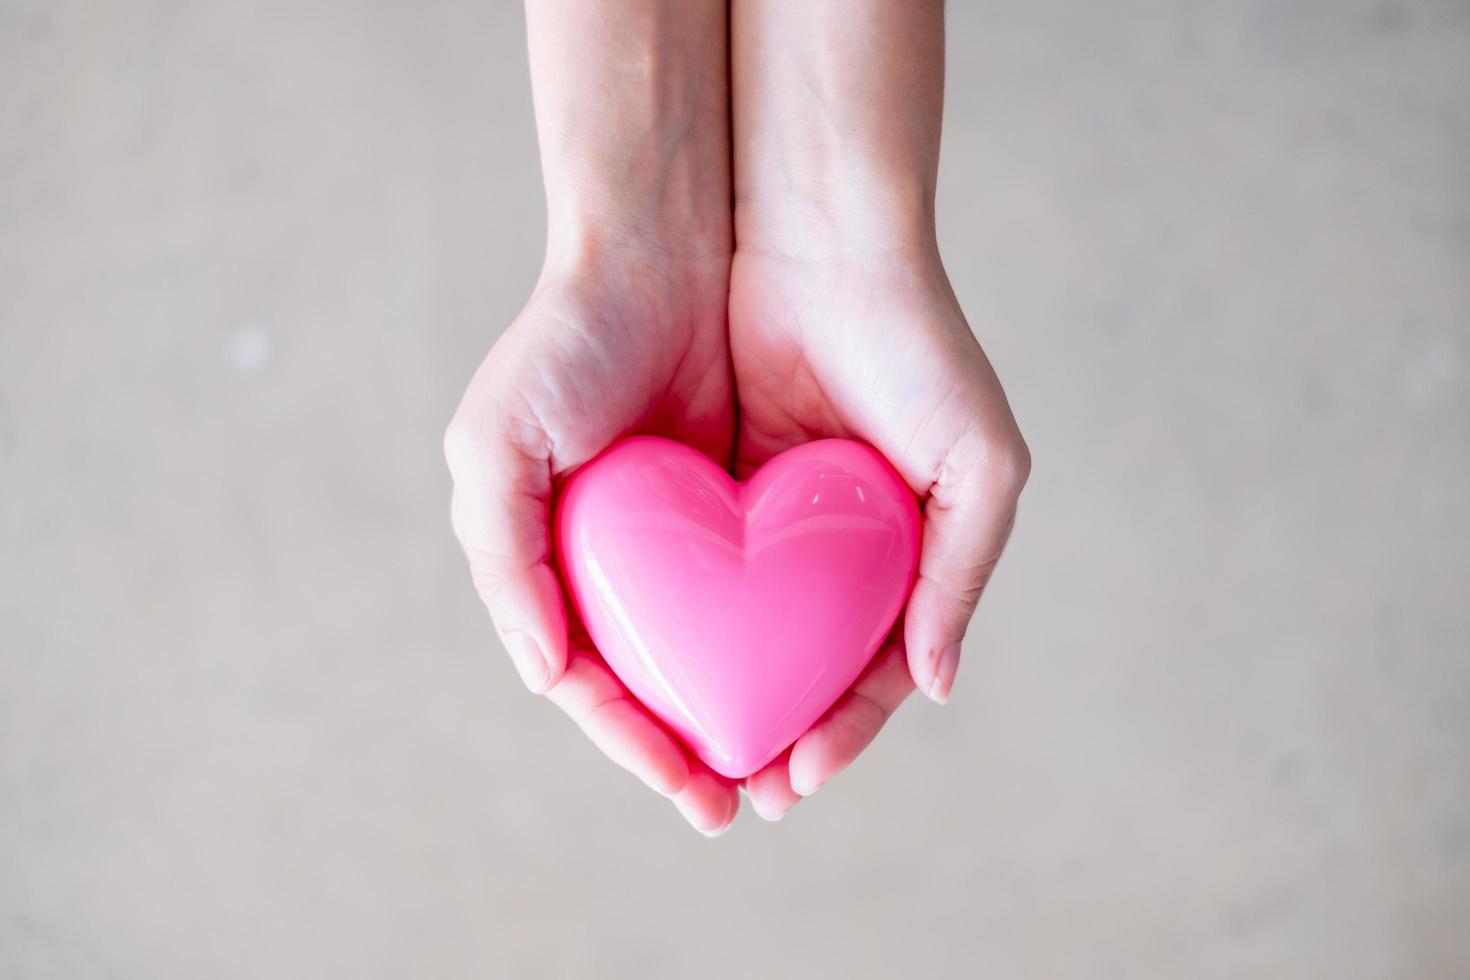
(1214, 719)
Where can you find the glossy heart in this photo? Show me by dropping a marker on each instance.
(738, 612)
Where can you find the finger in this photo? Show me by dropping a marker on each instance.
(967, 519)
(501, 514)
(840, 737)
(708, 802)
(770, 789)
(619, 726)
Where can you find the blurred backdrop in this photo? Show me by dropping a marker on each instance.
(1214, 717)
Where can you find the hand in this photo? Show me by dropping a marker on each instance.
(843, 323)
(626, 342)
(626, 332)
(872, 345)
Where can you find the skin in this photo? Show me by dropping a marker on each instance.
(818, 304)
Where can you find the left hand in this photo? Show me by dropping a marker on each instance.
(873, 346)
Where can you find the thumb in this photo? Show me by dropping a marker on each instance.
(967, 518)
(501, 511)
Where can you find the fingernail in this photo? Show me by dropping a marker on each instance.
(944, 671)
(529, 662)
(769, 815)
(726, 825)
(667, 788)
(802, 787)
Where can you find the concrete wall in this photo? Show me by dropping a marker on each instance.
(1214, 718)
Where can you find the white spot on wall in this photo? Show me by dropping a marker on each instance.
(1430, 367)
(248, 350)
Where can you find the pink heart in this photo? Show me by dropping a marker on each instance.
(738, 613)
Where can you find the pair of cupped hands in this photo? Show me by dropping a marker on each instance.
(741, 353)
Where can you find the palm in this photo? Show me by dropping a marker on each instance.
(872, 348)
(630, 346)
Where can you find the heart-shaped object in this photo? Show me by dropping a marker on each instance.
(738, 613)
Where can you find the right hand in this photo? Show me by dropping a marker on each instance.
(613, 342)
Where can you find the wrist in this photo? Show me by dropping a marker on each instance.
(819, 211)
(672, 218)
(844, 98)
(676, 258)
(632, 113)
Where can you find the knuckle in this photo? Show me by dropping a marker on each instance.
(488, 577)
(1013, 464)
(1005, 461)
(1000, 460)
(971, 585)
(963, 586)
(463, 444)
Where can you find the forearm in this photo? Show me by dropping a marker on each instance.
(837, 116)
(632, 115)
